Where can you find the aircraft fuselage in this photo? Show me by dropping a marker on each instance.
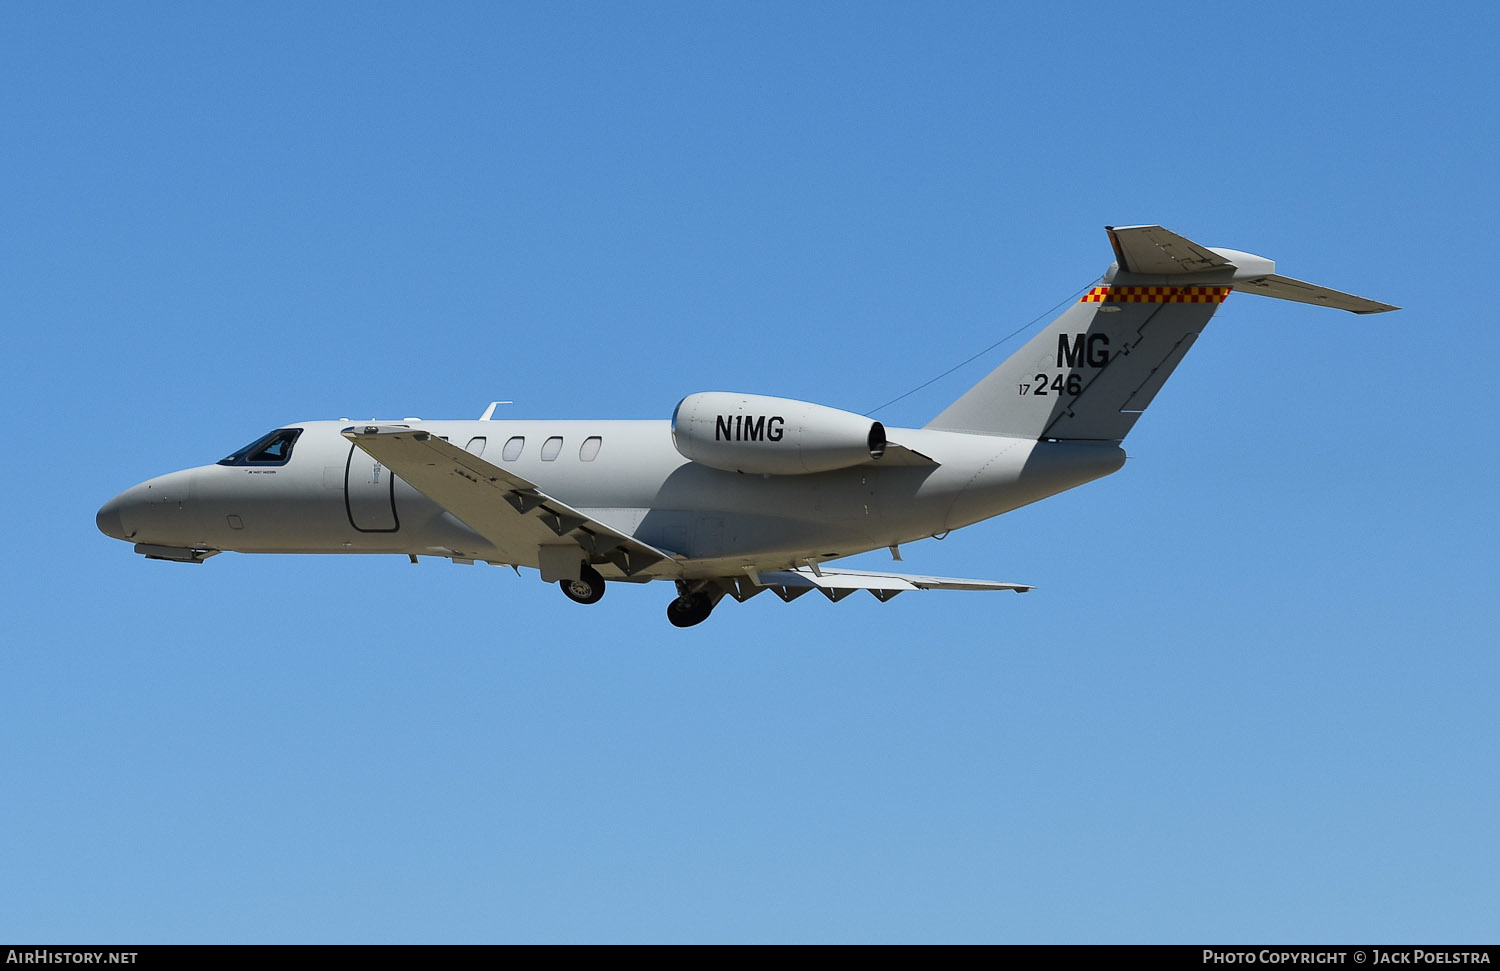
(333, 497)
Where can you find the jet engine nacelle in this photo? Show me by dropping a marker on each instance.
(772, 436)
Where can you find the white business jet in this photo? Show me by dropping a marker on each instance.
(736, 494)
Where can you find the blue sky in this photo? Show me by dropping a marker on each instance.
(1252, 699)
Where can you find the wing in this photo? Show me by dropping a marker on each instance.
(838, 584)
(510, 512)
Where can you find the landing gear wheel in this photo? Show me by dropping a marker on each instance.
(587, 589)
(691, 609)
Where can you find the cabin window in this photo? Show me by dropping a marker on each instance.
(272, 449)
(550, 448)
(513, 448)
(590, 448)
(475, 446)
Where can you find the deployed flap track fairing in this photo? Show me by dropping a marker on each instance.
(737, 494)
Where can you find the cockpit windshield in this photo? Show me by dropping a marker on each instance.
(272, 449)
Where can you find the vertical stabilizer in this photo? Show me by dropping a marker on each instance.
(1090, 373)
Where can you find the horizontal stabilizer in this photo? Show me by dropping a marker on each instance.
(1285, 288)
(1153, 251)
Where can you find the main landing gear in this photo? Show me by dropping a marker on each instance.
(587, 589)
(692, 607)
(695, 601)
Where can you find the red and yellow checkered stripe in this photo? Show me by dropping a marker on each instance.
(1156, 295)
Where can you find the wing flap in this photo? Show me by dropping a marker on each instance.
(503, 507)
(837, 584)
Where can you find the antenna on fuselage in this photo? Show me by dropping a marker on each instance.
(490, 411)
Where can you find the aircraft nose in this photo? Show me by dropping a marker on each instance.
(109, 520)
(155, 511)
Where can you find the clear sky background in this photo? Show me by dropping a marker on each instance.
(1253, 699)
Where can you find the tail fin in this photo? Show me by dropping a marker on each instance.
(1091, 372)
